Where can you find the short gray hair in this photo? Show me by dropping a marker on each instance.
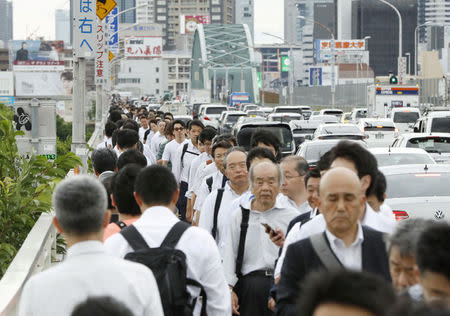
(80, 204)
(406, 236)
(280, 173)
(231, 150)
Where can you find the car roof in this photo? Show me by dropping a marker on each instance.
(419, 135)
(397, 150)
(325, 141)
(438, 114)
(338, 125)
(337, 110)
(305, 123)
(406, 109)
(418, 168)
(235, 112)
(285, 114)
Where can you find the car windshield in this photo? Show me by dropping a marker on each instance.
(440, 125)
(340, 129)
(215, 110)
(402, 159)
(314, 152)
(431, 144)
(283, 133)
(405, 117)
(417, 185)
(288, 110)
(233, 118)
(284, 119)
(361, 114)
(304, 131)
(256, 113)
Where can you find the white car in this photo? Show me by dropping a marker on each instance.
(284, 117)
(405, 118)
(335, 112)
(418, 191)
(357, 114)
(436, 144)
(303, 130)
(391, 156)
(378, 132)
(338, 131)
(209, 114)
(434, 122)
(327, 119)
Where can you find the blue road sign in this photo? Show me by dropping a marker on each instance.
(315, 76)
(113, 28)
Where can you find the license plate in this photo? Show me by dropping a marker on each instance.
(379, 136)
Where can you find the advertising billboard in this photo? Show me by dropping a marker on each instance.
(36, 50)
(188, 23)
(43, 83)
(6, 83)
(149, 47)
(285, 63)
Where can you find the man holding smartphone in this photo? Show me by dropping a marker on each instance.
(253, 241)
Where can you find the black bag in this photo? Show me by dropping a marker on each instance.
(169, 268)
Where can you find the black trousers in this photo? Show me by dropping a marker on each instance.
(182, 200)
(253, 293)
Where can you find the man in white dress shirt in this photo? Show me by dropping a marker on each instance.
(158, 138)
(171, 149)
(81, 216)
(143, 120)
(250, 253)
(217, 208)
(294, 171)
(110, 127)
(156, 193)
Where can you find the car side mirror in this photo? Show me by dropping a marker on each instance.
(416, 130)
(308, 137)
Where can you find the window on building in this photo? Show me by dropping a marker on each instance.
(157, 69)
(129, 69)
(157, 80)
(157, 91)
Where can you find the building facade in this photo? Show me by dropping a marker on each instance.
(144, 11)
(245, 13)
(62, 26)
(168, 13)
(177, 67)
(130, 16)
(6, 22)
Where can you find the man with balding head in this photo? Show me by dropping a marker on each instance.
(253, 241)
(345, 243)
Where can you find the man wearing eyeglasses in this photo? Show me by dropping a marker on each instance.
(293, 187)
(170, 152)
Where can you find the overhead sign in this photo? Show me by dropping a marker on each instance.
(285, 63)
(101, 56)
(143, 47)
(84, 28)
(113, 27)
(188, 23)
(104, 7)
(315, 76)
(141, 29)
(342, 44)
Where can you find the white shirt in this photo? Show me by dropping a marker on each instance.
(207, 213)
(170, 152)
(303, 208)
(350, 257)
(316, 225)
(104, 144)
(89, 271)
(201, 159)
(142, 134)
(202, 256)
(260, 252)
(203, 190)
(181, 169)
(204, 171)
(151, 159)
(156, 140)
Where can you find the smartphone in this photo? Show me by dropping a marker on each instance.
(269, 230)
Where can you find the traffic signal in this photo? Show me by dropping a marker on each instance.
(393, 79)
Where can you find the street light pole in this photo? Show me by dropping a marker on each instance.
(333, 57)
(400, 35)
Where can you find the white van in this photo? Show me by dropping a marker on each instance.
(405, 118)
(378, 132)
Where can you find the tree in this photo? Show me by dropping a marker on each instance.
(26, 186)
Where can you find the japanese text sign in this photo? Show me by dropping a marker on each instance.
(343, 45)
(143, 47)
(84, 27)
(101, 56)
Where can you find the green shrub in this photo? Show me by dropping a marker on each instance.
(26, 186)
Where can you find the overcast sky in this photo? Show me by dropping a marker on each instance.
(38, 18)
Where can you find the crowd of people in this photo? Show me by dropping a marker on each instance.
(179, 220)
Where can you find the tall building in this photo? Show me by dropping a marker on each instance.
(130, 16)
(380, 22)
(434, 12)
(245, 13)
(62, 26)
(304, 32)
(6, 21)
(168, 12)
(144, 11)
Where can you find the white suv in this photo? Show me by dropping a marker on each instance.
(209, 114)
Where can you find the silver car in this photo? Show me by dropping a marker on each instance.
(436, 144)
(418, 191)
(391, 156)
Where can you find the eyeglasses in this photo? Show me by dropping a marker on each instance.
(178, 129)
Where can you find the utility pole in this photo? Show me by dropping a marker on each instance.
(79, 92)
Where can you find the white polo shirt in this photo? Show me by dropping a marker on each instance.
(156, 140)
(170, 152)
(181, 169)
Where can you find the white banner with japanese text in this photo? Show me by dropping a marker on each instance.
(148, 47)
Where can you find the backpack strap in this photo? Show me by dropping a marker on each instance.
(216, 211)
(209, 183)
(202, 294)
(324, 252)
(121, 224)
(134, 238)
(174, 234)
(242, 237)
(185, 147)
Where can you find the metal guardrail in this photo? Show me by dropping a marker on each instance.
(34, 256)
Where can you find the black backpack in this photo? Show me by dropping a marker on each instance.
(169, 268)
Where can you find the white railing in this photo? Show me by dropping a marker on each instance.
(34, 256)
